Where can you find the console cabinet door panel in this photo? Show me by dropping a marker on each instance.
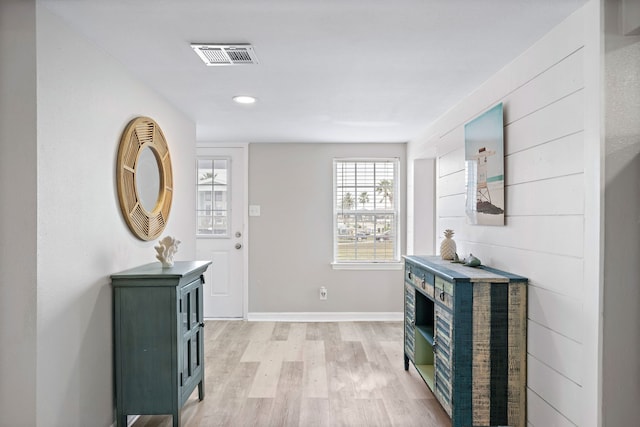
(443, 357)
(409, 322)
(192, 338)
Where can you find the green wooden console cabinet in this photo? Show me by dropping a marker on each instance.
(158, 338)
(465, 331)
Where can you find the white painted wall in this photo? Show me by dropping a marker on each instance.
(421, 233)
(553, 167)
(84, 101)
(621, 348)
(17, 213)
(291, 242)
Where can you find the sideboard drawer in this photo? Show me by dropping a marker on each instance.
(420, 278)
(444, 292)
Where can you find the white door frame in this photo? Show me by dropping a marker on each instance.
(245, 214)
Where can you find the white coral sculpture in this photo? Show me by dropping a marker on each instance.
(167, 247)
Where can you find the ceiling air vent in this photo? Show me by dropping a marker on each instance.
(225, 54)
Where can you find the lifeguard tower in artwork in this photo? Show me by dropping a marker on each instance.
(482, 192)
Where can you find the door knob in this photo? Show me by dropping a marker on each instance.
(238, 245)
(238, 234)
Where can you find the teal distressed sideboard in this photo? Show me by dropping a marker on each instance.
(466, 334)
(158, 338)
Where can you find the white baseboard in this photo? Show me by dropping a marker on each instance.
(327, 317)
(130, 420)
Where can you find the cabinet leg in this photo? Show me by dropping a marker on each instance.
(201, 390)
(176, 419)
(122, 420)
(406, 362)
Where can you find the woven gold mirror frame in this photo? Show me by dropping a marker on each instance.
(143, 132)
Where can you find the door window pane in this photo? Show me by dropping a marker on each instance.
(212, 198)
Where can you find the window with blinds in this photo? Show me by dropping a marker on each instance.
(365, 211)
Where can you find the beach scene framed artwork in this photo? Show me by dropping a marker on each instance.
(484, 168)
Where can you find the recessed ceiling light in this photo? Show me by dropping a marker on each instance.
(244, 99)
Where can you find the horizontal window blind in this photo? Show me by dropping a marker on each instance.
(365, 210)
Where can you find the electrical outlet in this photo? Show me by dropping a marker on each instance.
(323, 293)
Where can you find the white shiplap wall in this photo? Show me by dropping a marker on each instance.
(547, 178)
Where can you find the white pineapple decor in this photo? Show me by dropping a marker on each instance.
(448, 246)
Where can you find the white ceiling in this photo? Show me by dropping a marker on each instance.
(329, 71)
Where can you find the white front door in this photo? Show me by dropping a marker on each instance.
(220, 210)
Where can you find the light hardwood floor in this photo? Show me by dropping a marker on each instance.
(307, 374)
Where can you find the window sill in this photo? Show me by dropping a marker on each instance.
(367, 265)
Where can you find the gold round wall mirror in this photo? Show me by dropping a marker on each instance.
(145, 179)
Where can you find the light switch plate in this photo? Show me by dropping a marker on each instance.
(254, 210)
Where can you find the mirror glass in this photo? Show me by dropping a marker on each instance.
(147, 179)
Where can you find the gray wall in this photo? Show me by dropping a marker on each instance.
(18, 202)
(621, 347)
(85, 100)
(290, 244)
(60, 125)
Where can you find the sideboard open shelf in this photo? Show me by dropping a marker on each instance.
(465, 333)
(424, 338)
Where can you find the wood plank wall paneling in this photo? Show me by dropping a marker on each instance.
(552, 348)
(543, 95)
(540, 413)
(556, 312)
(544, 125)
(561, 157)
(452, 161)
(544, 89)
(558, 391)
(451, 206)
(451, 184)
(560, 235)
(553, 48)
(554, 196)
(559, 274)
